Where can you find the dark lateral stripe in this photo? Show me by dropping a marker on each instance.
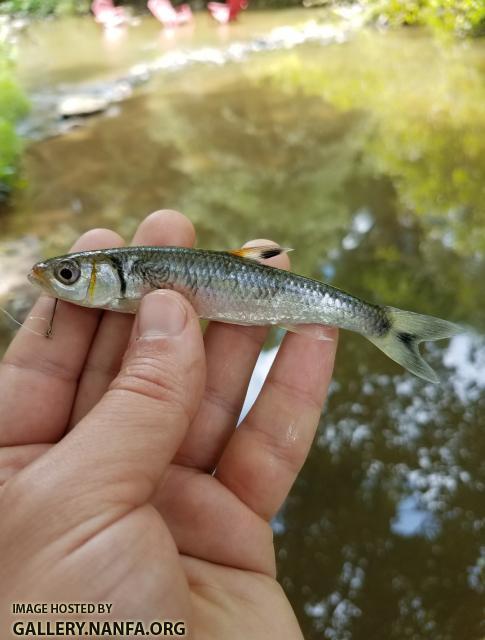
(116, 262)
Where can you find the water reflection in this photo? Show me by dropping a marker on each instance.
(376, 178)
(467, 355)
(394, 481)
(388, 491)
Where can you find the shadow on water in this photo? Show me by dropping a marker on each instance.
(372, 167)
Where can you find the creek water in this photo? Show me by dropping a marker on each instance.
(365, 151)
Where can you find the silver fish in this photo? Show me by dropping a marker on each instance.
(234, 287)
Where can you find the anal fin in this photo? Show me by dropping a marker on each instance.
(314, 331)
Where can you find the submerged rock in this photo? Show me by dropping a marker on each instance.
(81, 105)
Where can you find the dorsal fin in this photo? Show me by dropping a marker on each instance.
(260, 252)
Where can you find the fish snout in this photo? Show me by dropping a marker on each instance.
(37, 274)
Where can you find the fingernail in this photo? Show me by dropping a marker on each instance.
(161, 314)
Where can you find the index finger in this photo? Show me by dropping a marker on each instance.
(160, 228)
(38, 376)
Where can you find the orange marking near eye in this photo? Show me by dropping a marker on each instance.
(92, 283)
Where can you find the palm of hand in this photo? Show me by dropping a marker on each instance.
(177, 539)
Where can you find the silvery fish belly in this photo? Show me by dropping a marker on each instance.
(236, 287)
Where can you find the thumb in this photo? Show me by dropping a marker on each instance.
(136, 428)
(118, 453)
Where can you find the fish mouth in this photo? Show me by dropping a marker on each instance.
(37, 276)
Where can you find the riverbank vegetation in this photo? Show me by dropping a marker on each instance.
(461, 17)
(13, 106)
(44, 8)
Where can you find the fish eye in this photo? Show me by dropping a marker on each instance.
(68, 272)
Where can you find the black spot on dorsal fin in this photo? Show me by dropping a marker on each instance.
(261, 252)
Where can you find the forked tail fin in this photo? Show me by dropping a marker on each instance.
(407, 330)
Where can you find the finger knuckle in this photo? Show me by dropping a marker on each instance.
(288, 452)
(156, 378)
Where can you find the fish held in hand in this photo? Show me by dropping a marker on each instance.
(235, 287)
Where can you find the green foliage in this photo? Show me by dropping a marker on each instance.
(13, 105)
(462, 17)
(43, 8)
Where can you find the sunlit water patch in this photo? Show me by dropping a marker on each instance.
(52, 105)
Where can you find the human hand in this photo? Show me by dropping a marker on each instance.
(123, 477)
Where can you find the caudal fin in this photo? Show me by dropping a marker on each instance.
(407, 330)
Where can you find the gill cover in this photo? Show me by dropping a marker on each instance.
(104, 284)
(96, 285)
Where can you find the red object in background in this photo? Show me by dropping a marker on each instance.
(168, 15)
(107, 14)
(225, 12)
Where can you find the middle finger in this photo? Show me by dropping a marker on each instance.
(231, 352)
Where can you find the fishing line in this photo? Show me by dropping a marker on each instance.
(50, 327)
(47, 333)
